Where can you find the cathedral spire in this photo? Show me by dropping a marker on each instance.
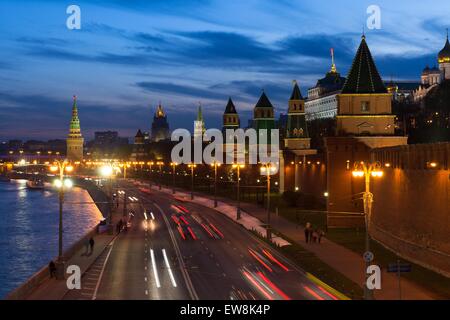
(333, 65)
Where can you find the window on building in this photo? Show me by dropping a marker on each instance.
(365, 106)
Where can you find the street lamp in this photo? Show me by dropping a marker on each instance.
(160, 164)
(61, 184)
(238, 168)
(107, 172)
(192, 167)
(215, 164)
(268, 169)
(174, 165)
(368, 171)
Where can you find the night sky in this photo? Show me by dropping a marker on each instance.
(129, 55)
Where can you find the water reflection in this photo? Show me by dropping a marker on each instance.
(29, 228)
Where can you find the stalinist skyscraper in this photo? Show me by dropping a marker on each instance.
(75, 140)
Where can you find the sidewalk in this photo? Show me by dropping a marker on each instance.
(53, 289)
(347, 262)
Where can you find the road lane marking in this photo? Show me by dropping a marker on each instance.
(94, 296)
(155, 271)
(169, 268)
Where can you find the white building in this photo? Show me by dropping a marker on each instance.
(322, 99)
(432, 77)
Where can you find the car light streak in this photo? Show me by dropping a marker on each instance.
(169, 268)
(207, 230)
(192, 233)
(327, 293)
(273, 286)
(217, 230)
(311, 292)
(260, 260)
(155, 271)
(271, 257)
(264, 292)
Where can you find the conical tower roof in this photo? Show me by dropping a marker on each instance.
(139, 134)
(75, 121)
(199, 113)
(230, 108)
(363, 76)
(263, 102)
(444, 54)
(296, 93)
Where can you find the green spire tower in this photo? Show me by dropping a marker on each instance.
(263, 115)
(75, 140)
(199, 124)
(296, 123)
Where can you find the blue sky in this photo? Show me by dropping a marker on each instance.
(129, 55)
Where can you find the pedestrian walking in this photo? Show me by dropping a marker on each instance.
(308, 232)
(320, 235)
(314, 235)
(52, 269)
(91, 244)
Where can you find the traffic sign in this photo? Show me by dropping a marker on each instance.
(368, 256)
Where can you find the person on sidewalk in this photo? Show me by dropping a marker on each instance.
(52, 269)
(91, 244)
(308, 232)
(320, 234)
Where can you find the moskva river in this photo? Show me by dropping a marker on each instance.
(29, 228)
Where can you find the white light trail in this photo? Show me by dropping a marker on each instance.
(155, 272)
(153, 217)
(172, 278)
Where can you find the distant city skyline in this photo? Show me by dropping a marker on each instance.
(129, 56)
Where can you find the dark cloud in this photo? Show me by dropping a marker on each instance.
(176, 89)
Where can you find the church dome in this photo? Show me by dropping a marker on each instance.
(426, 71)
(444, 54)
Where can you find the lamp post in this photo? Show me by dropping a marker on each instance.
(107, 172)
(160, 164)
(238, 168)
(125, 166)
(215, 164)
(368, 171)
(192, 167)
(268, 169)
(174, 165)
(61, 184)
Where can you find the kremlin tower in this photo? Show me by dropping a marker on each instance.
(160, 126)
(75, 140)
(199, 124)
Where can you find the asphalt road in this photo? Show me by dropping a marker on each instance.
(179, 250)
